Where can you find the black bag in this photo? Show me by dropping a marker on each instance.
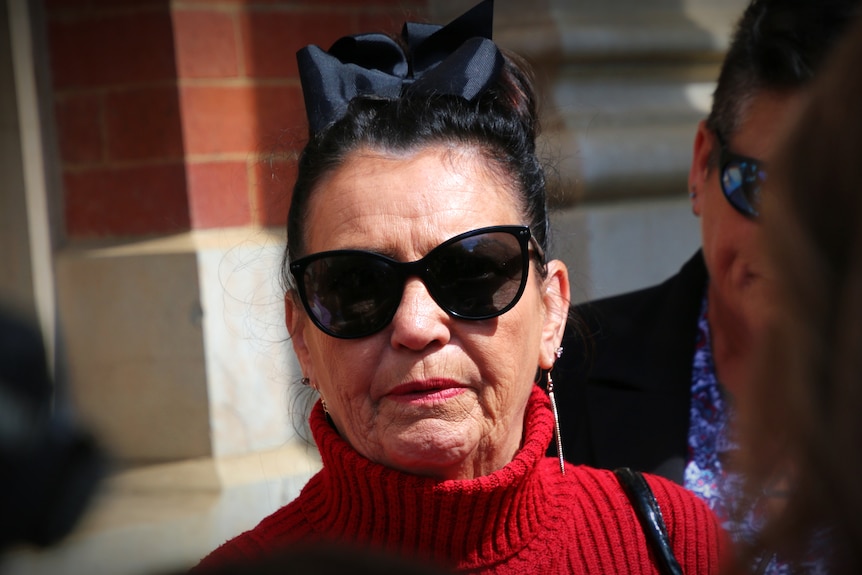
(648, 513)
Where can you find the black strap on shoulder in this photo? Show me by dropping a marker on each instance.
(647, 510)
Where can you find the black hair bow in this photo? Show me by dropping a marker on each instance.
(457, 59)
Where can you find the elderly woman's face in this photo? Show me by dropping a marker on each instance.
(429, 394)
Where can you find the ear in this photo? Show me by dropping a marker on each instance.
(704, 142)
(556, 298)
(297, 321)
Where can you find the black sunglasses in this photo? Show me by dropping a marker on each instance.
(741, 180)
(476, 275)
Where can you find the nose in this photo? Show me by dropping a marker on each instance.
(419, 321)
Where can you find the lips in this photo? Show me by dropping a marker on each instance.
(427, 390)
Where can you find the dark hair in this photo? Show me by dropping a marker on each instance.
(800, 411)
(502, 122)
(778, 46)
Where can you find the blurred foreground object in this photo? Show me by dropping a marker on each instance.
(49, 467)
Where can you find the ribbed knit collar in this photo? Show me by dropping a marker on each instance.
(466, 522)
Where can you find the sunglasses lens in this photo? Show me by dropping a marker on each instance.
(351, 295)
(741, 181)
(478, 277)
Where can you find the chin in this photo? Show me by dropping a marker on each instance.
(432, 448)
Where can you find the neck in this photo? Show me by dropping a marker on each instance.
(731, 337)
(447, 520)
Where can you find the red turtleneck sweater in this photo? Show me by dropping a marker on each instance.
(525, 518)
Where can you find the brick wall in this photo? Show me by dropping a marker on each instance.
(179, 115)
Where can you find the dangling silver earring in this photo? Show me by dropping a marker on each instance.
(550, 388)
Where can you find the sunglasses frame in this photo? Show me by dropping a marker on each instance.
(419, 268)
(746, 164)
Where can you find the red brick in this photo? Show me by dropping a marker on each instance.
(270, 39)
(114, 49)
(218, 194)
(144, 124)
(238, 119)
(126, 201)
(218, 119)
(79, 128)
(273, 185)
(280, 118)
(205, 44)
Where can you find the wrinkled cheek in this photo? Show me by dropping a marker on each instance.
(358, 425)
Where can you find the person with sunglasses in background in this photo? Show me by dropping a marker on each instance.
(800, 432)
(424, 312)
(649, 379)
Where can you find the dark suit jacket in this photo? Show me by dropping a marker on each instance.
(623, 384)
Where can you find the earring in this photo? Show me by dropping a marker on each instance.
(550, 388)
(307, 381)
(692, 192)
(559, 352)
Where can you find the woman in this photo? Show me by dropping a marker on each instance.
(430, 424)
(802, 431)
